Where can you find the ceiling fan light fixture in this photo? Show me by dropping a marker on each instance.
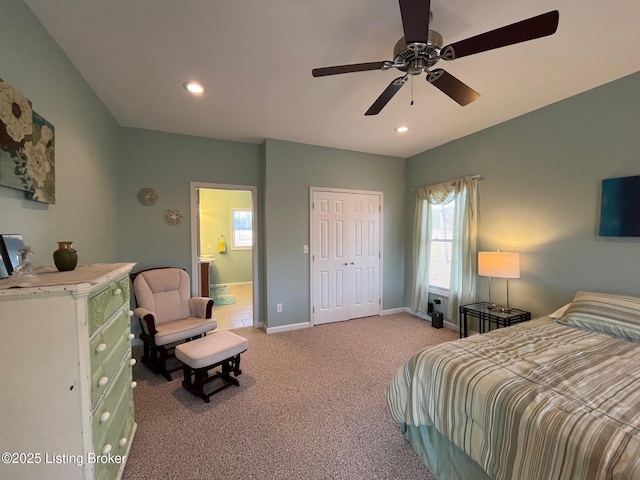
(194, 88)
(401, 129)
(414, 60)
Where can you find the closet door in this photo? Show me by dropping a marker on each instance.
(364, 255)
(345, 255)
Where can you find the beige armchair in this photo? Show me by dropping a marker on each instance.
(168, 315)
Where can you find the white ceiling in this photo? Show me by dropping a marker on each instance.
(255, 59)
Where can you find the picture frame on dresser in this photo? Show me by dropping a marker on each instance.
(10, 245)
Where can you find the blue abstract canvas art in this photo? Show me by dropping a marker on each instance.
(620, 209)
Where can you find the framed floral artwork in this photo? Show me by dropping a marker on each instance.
(27, 147)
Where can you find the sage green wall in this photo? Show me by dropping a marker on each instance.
(540, 194)
(291, 169)
(168, 163)
(232, 266)
(86, 143)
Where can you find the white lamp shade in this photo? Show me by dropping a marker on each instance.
(499, 264)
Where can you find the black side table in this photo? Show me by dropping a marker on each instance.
(485, 314)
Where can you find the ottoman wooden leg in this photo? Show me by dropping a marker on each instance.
(236, 363)
(194, 381)
(201, 379)
(228, 367)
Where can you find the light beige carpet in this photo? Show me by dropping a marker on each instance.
(311, 405)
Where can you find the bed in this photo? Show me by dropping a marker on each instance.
(557, 397)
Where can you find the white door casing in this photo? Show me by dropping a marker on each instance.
(346, 254)
(194, 188)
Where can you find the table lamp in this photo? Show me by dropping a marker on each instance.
(501, 265)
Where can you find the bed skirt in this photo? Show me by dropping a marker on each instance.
(443, 458)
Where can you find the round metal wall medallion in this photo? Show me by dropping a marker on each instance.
(173, 217)
(147, 197)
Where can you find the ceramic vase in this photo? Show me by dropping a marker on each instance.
(65, 257)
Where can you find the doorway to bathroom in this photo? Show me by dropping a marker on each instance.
(224, 251)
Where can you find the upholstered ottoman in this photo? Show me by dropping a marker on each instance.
(201, 355)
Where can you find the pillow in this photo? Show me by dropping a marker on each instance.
(614, 315)
(560, 312)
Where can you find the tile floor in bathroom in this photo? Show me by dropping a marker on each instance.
(239, 314)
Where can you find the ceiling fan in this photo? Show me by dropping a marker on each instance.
(421, 48)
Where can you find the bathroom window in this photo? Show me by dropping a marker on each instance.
(242, 228)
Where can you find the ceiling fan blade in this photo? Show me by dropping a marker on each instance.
(354, 67)
(451, 86)
(535, 27)
(387, 95)
(415, 20)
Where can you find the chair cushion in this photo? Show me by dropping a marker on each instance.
(211, 349)
(165, 291)
(182, 329)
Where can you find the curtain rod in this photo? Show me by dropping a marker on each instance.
(473, 177)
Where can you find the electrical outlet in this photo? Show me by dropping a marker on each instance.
(208, 244)
(305, 249)
(279, 308)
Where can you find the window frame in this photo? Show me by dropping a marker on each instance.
(234, 246)
(438, 289)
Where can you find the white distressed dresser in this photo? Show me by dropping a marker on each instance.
(66, 400)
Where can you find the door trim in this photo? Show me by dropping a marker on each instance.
(195, 271)
(312, 191)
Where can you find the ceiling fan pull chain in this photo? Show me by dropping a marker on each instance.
(411, 90)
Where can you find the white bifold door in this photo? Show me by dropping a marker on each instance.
(346, 255)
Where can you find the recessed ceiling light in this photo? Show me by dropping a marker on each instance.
(401, 129)
(193, 87)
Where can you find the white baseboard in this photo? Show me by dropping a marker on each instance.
(285, 328)
(451, 326)
(446, 323)
(230, 283)
(392, 311)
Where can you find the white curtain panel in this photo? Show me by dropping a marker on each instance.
(463, 262)
(421, 256)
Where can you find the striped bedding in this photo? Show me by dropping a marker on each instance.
(538, 400)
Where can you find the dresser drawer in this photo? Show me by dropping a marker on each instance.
(109, 471)
(106, 302)
(104, 364)
(113, 417)
(109, 338)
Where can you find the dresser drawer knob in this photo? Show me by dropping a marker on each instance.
(132, 362)
(102, 381)
(129, 313)
(104, 417)
(101, 347)
(131, 336)
(134, 384)
(106, 449)
(117, 291)
(123, 441)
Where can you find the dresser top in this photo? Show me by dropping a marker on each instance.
(48, 279)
